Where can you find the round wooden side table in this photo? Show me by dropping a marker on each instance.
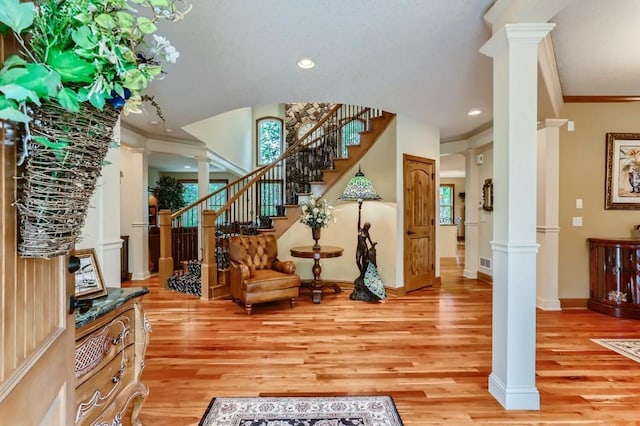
(317, 284)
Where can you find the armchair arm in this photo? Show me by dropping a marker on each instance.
(286, 267)
(239, 270)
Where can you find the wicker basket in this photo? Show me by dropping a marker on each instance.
(56, 185)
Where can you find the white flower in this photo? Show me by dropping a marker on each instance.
(316, 213)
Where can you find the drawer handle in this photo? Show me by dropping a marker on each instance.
(116, 340)
(116, 379)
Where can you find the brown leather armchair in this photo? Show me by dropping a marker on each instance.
(257, 275)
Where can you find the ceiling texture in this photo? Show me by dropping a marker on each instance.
(418, 58)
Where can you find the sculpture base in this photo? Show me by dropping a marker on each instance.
(360, 292)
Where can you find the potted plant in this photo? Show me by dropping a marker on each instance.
(80, 64)
(170, 194)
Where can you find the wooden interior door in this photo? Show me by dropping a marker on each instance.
(37, 335)
(419, 221)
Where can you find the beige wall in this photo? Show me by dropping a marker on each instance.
(229, 135)
(381, 214)
(582, 175)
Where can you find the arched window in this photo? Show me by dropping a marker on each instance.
(350, 135)
(268, 139)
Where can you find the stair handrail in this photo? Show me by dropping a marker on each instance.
(212, 194)
(292, 149)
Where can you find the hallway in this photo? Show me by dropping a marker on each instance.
(430, 350)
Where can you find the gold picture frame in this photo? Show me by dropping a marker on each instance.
(622, 171)
(89, 280)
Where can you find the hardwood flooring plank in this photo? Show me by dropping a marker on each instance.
(430, 350)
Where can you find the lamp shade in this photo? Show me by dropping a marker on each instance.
(359, 188)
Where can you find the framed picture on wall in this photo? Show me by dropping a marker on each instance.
(622, 181)
(89, 281)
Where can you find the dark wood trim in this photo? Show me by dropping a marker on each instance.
(576, 99)
(485, 277)
(573, 303)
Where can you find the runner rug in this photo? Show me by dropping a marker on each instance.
(302, 411)
(627, 347)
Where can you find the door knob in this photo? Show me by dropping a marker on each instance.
(410, 232)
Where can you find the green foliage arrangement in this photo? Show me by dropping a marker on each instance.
(75, 51)
(170, 193)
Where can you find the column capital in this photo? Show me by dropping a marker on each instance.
(515, 33)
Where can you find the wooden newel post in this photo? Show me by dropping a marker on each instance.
(209, 270)
(165, 263)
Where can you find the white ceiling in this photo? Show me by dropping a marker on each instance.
(418, 58)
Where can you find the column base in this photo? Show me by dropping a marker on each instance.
(470, 274)
(548, 304)
(515, 398)
(139, 276)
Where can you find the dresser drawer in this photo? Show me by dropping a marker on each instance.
(100, 347)
(108, 390)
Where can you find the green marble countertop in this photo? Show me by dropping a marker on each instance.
(115, 298)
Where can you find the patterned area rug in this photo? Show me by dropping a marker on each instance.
(302, 411)
(627, 347)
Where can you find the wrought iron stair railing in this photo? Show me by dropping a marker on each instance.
(255, 202)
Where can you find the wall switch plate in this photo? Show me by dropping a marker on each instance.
(578, 203)
(577, 221)
(571, 126)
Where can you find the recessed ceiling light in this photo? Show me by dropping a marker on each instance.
(168, 130)
(155, 122)
(306, 63)
(187, 166)
(474, 112)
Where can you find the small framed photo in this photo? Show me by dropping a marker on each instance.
(622, 183)
(89, 281)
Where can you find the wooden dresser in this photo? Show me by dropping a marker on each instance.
(111, 339)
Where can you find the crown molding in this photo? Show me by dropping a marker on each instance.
(605, 98)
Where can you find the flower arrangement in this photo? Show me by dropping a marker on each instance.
(76, 51)
(630, 160)
(316, 212)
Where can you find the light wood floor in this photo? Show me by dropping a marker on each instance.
(430, 350)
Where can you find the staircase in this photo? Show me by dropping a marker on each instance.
(315, 159)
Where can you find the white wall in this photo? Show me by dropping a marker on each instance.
(102, 225)
(422, 140)
(229, 135)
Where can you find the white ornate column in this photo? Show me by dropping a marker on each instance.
(203, 189)
(139, 205)
(471, 215)
(547, 214)
(514, 49)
